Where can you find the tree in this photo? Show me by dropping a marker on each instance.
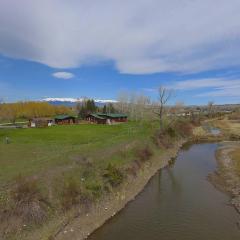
(164, 94)
(87, 106)
(210, 108)
(104, 110)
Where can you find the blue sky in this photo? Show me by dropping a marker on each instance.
(59, 48)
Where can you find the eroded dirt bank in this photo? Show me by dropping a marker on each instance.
(227, 176)
(83, 225)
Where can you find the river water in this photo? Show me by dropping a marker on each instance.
(179, 203)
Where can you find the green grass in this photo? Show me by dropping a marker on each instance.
(36, 151)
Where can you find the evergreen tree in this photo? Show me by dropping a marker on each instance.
(104, 109)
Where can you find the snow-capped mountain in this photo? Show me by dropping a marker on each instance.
(73, 101)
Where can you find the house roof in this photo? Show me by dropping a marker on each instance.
(62, 117)
(97, 116)
(112, 115)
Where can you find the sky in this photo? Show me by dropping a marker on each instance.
(97, 49)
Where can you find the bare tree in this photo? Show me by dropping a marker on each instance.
(210, 108)
(164, 94)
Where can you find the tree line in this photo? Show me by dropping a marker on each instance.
(89, 106)
(25, 110)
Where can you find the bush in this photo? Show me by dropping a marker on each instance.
(162, 139)
(71, 194)
(28, 202)
(144, 154)
(184, 128)
(113, 175)
(95, 189)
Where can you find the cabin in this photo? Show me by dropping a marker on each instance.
(107, 118)
(40, 122)
(65, 120)
(95, 118)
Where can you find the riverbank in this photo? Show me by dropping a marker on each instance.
(82, 226)
(227, 175)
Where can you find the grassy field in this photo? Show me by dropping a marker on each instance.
(47, 172)
(40, 151)
(227, 126)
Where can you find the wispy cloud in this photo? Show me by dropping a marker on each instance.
(139, 36)
(211, 87)
(63, 75)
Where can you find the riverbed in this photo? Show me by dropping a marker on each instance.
(178, 203)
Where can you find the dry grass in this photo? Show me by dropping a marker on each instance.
(235, 155)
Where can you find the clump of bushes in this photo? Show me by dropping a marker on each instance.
(234, 116)
(184, 128)
(28, 201)
(70, 193)
(162, 139)
(113, 175)
(144, 154)
(95, 189)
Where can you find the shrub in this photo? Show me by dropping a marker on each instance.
(133, 169)
(28, 202)
(144, 154)
(162, 139)
(95, 189)
(71, 194)
(113, 175)
(184, 128)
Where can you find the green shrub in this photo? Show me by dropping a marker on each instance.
(113, 175)
(95, 189)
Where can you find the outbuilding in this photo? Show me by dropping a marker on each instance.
(65, 119)
(95, 118)
(107, 118)
(40, 122)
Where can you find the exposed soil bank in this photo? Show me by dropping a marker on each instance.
(226, 177)
(83, 225)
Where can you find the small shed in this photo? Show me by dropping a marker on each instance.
(65, 119)
(95, 118)
(40, 122)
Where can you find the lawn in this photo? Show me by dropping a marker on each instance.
(38, 151)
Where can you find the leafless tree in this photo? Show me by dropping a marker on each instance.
(210, 108)
(164, 95)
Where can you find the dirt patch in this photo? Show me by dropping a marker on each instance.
(227, 177)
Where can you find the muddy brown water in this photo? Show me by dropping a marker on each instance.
(178, 203)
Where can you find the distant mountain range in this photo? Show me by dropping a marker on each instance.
(73, 101)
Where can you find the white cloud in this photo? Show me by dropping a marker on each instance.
(139, 36)
(63, 75)
(212, 87)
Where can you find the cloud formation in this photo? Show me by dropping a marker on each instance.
(63, 75)
(213, 87)
(139, 36)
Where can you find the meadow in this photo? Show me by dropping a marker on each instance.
(36, 151)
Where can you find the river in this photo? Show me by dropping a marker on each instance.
(178, 203)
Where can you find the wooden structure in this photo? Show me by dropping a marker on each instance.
(95, 118)
(40, 122)
(64, 120)
(107, 118)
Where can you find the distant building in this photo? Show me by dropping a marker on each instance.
(107, 118)
(65, 120)
(40, 122)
